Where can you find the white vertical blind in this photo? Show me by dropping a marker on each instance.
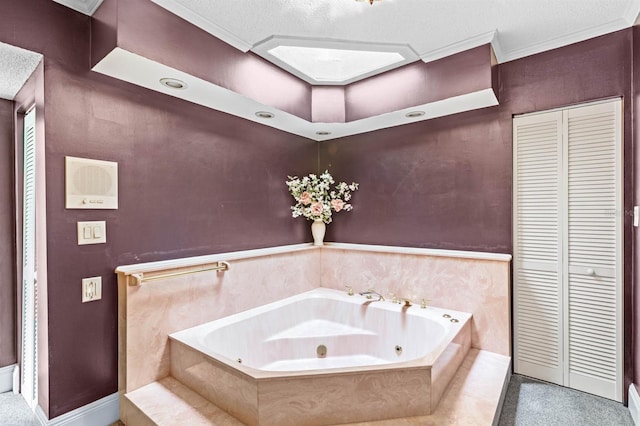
(568, 247)
(29, 287)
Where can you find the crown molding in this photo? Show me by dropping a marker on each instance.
(88, 7)
(632, 14)
(460, 46)
(205, 24)
(575, 37)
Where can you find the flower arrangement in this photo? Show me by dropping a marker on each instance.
(316, 200)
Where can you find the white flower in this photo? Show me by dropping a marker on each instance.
(324, 200)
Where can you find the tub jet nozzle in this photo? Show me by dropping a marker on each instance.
(321, 350)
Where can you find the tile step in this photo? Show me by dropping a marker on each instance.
(168, 402)
(474, 398)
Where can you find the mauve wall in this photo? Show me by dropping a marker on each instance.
(420, 83)
(192, 181)
(7, 239)
(446, 183)
(146, 29)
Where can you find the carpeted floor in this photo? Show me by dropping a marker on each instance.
(528, 403)
(533, 403)
(14, 411)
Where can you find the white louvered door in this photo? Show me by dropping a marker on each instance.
(568, 317)
(594, 249)
(537, 241)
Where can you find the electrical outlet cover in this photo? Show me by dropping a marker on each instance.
(91, 289)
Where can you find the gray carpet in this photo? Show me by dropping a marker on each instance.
(533, 403)
(14, 411)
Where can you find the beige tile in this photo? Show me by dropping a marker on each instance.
(147, 314)
(150, 312)
(343, 398)
(448, 363)
(169, 403)
(472, 399)
(480, 287)
(229, 390)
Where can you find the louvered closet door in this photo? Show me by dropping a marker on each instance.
(537, 234)
(568, 247)
(594, 249)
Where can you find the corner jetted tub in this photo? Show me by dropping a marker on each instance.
(323, 357)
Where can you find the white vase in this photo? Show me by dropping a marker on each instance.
(317, 230)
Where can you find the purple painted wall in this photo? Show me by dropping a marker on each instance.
(193, 181)
(144, 28)
(8, 354)
(420, 83)
(446, 183)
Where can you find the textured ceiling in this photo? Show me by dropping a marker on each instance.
(17, 65)
(85, 6)
(433, 28)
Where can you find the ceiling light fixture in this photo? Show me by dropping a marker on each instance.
(264, 114)
(173, 83)
(370, 1)
(414, 114)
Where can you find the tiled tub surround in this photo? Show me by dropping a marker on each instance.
(148, 313)
(477, 283)
(281, 378)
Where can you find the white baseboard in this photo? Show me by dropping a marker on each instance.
(102, 412)
(634, 404)
(6, 378)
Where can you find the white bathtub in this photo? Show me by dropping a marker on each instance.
(269, 366)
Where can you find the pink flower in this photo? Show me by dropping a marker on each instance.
(337, 204)
(305, 198)
(316, 208)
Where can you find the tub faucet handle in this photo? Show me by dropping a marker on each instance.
(406, 302)
(349, 290)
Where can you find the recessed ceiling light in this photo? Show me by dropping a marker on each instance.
(173, 83)
(264, 114)
(323, 133)
(414, 114)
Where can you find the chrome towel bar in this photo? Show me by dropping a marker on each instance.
(139, 278)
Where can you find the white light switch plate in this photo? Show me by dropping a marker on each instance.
(94, 232)
(91, 289)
